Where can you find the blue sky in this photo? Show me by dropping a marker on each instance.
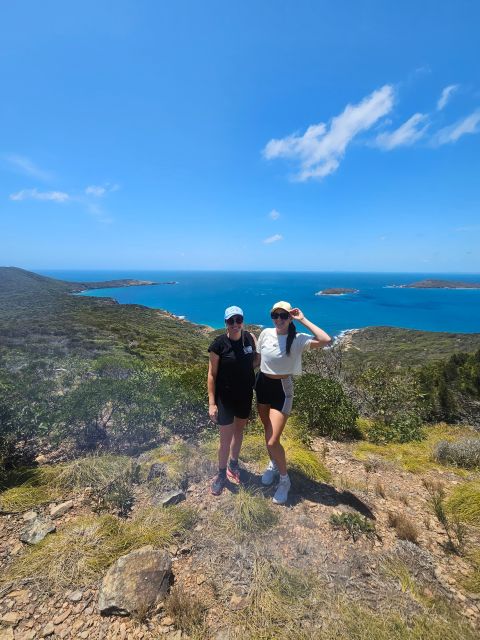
(250, 135)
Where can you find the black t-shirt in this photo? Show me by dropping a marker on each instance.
(235, 377)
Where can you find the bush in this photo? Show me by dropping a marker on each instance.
(323, 407)
(394, 403)
(464, 453)
(402, 429)
(354, 524)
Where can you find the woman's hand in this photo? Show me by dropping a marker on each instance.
(297, 314)
(213, 412)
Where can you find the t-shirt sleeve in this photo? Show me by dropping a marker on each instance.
(303, 341)
(215, 347)
(260, 340)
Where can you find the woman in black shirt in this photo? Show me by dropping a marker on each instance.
(233, 356)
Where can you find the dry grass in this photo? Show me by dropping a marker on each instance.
(416, 457)
(93, 471)
(86, 547)
(285, 604)
(187, 612)
(464, 503)
(39, 485)
(404, 527)
(246, 514)
(472, 583)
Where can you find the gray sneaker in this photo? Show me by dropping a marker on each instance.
(270, 473)
(281, 494)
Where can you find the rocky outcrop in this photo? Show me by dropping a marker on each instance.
(36, 530)
(136, 583)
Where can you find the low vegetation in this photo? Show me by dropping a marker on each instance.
(246, 514)
(464, 503)
(285, 604)
(417, 456)
(84, 548)
(464, 453)
(404, 527)
(354, 524)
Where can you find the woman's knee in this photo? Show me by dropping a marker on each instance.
(273, 441)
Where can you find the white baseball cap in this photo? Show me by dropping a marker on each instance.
(232, 311)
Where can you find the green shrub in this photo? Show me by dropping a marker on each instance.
(392, 400)
(355, 524)
(323, 407)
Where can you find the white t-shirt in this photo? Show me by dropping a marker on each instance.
(273, 349)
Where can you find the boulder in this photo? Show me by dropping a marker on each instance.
(172, 497)
(28, 516)
(56, 511)
(37, 530)
(157, 470)
(136, 583)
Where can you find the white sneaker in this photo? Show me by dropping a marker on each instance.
(281, 494)
(270, 473)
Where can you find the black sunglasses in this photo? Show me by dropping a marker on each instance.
(284, 315)
(234, 319)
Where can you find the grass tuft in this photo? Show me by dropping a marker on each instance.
(305, 463)
(464, 503)
(404, 527)
(187, 612)
(83, 550)
(247, 513)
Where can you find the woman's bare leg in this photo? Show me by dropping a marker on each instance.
(226, 436)
(237, 439)
(274, 422)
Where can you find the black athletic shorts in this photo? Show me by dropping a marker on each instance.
(277, 392)
(230, 408)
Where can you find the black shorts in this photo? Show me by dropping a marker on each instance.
(230, 408)
(277, 392)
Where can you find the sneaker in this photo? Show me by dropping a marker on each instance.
(270, 473)
(218, 484)
(281, 494)
(233, 473)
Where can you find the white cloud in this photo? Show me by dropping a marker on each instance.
(34, 194)
(470, 124)
(99, 191)
(446, 95)
(274, 214)
(320, 149)
(96, 191)
(27, 167)
(274, 238)
(408, 133)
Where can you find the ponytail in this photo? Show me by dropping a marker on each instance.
(292, 332)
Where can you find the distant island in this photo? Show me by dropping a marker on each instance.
(336, 292)
(438, 284)
(111, 284)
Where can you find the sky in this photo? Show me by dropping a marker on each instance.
(266, 135)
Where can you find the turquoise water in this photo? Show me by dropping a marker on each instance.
(202, 297)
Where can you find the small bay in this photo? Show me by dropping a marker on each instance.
(201, 297)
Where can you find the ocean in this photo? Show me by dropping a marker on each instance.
(202, 296)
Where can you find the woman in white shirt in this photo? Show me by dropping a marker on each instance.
(281, 350)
